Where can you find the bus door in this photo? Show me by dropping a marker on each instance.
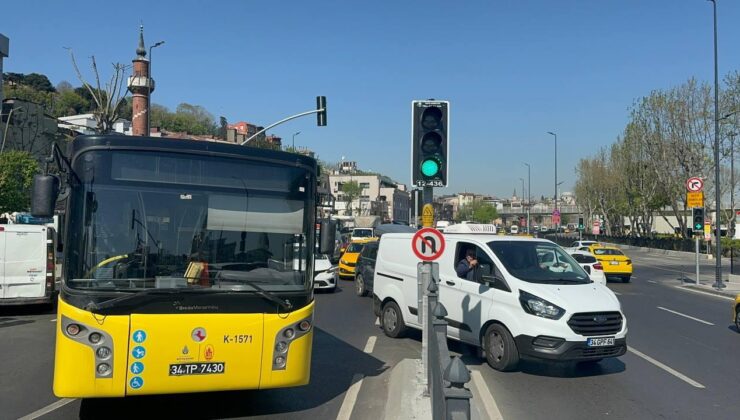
(194, 352)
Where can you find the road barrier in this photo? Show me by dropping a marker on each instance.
(447, 375)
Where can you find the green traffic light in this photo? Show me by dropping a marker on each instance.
(430, 167)
(697, 226)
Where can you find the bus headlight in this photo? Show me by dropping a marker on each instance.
(289, 333)
(73, 329)
(281, 347)
(103, 369)
(95, 338)
(280, 362)
(305, 325)
(103, 352)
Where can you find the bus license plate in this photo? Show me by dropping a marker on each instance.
(182, 369)
(600, 342)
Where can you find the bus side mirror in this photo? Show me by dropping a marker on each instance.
(44, 195)
(328, 235)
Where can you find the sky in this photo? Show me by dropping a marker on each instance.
(512, 70)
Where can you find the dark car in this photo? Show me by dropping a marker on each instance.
(365, 270)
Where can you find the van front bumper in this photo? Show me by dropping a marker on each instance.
(41, 300)
(550, 348)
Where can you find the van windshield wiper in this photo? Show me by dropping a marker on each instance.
(578, 281)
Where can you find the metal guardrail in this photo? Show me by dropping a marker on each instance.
(447, 375)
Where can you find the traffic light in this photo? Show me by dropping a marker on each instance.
(698, 218)
(321, 115)
(429, 143)
(580, 223)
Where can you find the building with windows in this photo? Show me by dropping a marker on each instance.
(379, 196)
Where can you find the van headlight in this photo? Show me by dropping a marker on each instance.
(534, 305)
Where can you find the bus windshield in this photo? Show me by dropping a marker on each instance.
(149, 220)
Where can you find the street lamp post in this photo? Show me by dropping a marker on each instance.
(555, 203)
(529, 195)
(149, 97)
(295, 134)
(717, 231)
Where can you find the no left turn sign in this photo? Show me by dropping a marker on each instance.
(428, 244)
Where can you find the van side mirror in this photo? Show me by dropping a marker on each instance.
(328, 233)
(44, 195)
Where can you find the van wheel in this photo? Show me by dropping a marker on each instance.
(500, 348)
(392, 320)
(626, 279)
(360, 289)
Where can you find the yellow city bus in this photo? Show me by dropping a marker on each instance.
(187, 266)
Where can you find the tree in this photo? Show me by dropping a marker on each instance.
(39, 82)
(17, 169)
(350, 192)
(478, 212)
(224, 126)
(107, 98)
(69, 102)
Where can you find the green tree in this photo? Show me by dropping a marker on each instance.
(16, 178)
(350, 192)
(39, 82)
(478, 212)
(69, 102)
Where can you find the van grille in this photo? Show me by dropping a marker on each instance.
(596, 323)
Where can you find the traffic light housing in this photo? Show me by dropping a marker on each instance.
(580, 223)
(321, 107)
(430, 143)
(698, 219)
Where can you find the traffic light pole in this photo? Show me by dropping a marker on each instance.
(696, 238)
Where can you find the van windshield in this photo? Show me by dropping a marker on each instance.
(538, 262)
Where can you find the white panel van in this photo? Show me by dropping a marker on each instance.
(27, 256)
(523, 297)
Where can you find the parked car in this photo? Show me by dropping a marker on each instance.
(510, 306)
(365, 269)
(591, 265)
(616, 264)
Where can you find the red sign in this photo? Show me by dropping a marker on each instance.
(428, 244)
(694, 184)
(596, 230)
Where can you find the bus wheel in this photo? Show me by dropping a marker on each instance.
(360, 289)
(501, 352)
(392, 320)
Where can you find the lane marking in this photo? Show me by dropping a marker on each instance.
(53, 320)
(666, 368)
(686, 289)
(652, 281)
(350, 397)
(685, 316)
(617, 293)
(48, 409)
(489, 403)
(377, 321)
(370, 345)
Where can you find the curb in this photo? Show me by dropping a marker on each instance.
(405, 393)
(710, 290)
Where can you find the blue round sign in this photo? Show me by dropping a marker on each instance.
(138, 352)
(137, 368)
(136, 382)
(139, 336)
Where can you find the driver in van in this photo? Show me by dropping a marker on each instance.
(466, 267)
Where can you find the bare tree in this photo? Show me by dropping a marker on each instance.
(108, 98)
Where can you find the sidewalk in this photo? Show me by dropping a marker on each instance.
(731, 290)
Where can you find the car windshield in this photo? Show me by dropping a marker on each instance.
(607, 251)
(354, 248)
(158, 220)
(538, 262)
(362, 233)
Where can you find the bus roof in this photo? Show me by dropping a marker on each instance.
(122, 142)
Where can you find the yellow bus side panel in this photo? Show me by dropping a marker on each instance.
(74, 362)
(298, 367)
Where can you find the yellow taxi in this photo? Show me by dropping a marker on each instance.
(615, 263)
(348, 261)
(736, 310)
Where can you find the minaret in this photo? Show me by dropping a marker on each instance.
(141, 87)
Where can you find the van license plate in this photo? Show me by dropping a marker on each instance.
(615, 263)
(182, 369)
(600, 342)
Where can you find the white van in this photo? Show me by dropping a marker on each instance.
(512, 305)
(514, 229)
(26, 264)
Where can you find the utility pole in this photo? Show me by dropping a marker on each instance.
(4, 50)
(555, 203)
(717, 196)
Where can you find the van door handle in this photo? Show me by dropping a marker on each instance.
(450, 283)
